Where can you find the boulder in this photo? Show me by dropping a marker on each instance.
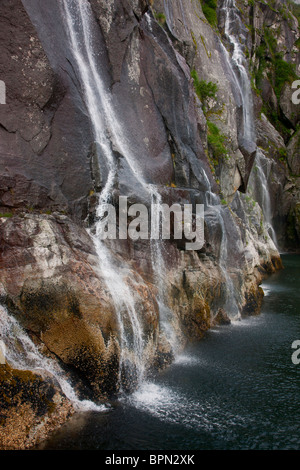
(31, 408)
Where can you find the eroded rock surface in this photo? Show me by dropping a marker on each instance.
(52, 172)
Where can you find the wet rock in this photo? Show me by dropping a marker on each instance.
(268, 95)
(44, 131)
(254, 300)
(221, 318)
(268, 137)
(293, 156)
(248, 149)
(53, 285)
(51, 166)
(31, 408)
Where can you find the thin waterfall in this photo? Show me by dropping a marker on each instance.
(241, 81)
(160, 273)
(169, 15)
(22, 354)
(132, 344)
(105, 122)
(183, 16)
(236, 87)
(258, 188)
(212, 203)
(233, 23)
(231, 305)
(169, 12)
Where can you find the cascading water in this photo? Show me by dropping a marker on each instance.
(235, 33)
(159, 270)
(212, 204)
(169, 15)
(107, 128)
(105, 122)
(168, 7)
(21, 353)
(98, 102)
(230, 304)
(233, 23)
(258, 188)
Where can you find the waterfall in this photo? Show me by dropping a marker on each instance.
(160, 272)
(233, 23)
(183, 16)
(258, 183)
(231, 305)
(169, 15)
(22, 354)
(212, 204)
(106, 126)
(258, 187)
(169, 6)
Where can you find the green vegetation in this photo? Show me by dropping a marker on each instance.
(6, 214)
(295, 9)
(194, 39)
(204, 89)
(204, 45)
(216, 141)
(215, 138)
(209, 8)
(161, 18)
(273, 67)
(272, 64)
(250, 201)
(282, 154)
(284, 72)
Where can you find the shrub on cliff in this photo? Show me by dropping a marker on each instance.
(209, 8)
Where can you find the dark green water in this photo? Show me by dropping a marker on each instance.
(236, 389)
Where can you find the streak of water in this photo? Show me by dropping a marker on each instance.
(106, 123)
(21, 353)
(235, 33)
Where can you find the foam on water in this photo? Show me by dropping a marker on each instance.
(248, 322)
(186, 360)
(169, 405)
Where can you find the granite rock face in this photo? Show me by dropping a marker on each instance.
(52, 172)
(45, 135)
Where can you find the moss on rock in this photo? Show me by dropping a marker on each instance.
(30, 408)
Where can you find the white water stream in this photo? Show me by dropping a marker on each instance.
(105, 122)
(21, 353)
(235, 33)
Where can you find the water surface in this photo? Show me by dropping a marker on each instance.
(235, 389)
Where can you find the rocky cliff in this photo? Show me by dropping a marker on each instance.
(186, 102)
